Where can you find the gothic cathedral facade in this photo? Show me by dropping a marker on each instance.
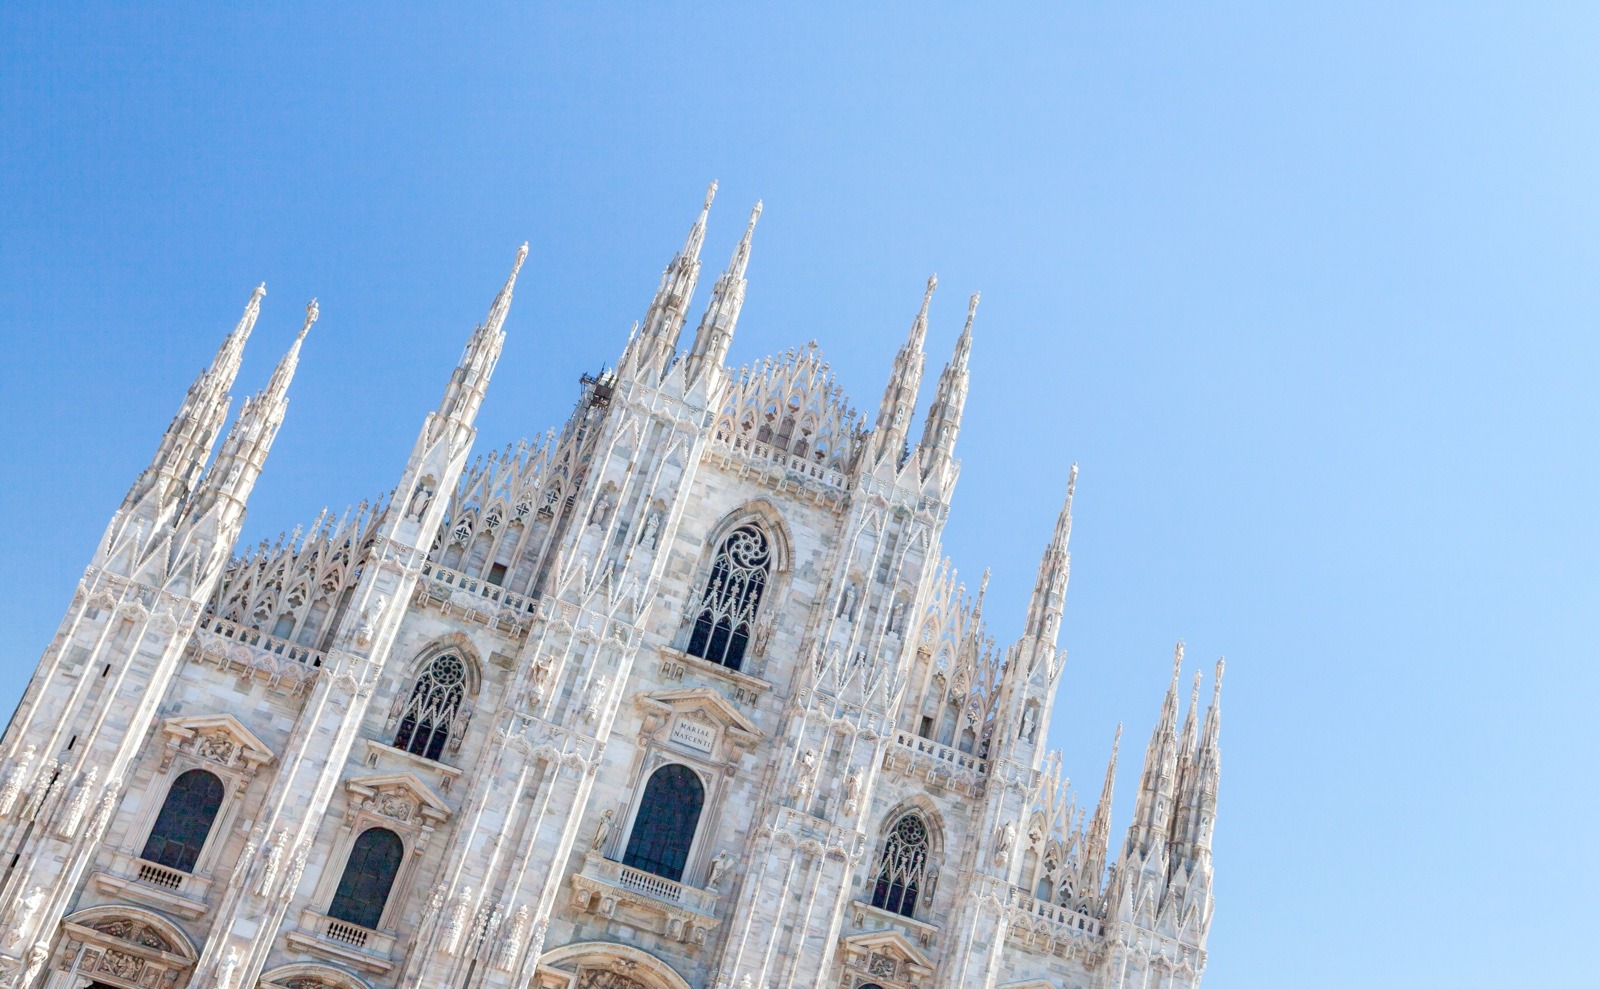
(682, 696)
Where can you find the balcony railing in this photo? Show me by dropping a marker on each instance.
(160, 875)
(453, 582)
(1062, 919)
(651, 885)
(346, 933)
(944, 753)
(349, 943)
(757, 450)
(257, 639)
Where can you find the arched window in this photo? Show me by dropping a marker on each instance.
(728, 607)
(664, 828)
(185, 821)
(368, 875)
(903, 868)
(426, 720)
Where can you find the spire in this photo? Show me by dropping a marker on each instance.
(651, 350)
(470, 379)
(900, 395)
(193, 431)
(1197, 795)
(244, 452)
(1050, 587)
(1098, 840)
(949, 399)
(715, 334)
(1152, 814)
(1190, 734)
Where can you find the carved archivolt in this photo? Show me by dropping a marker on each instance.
(125, 948)
(602, 965)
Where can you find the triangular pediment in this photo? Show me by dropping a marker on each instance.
(707, 702)
(407, 786)
(891, 943)
(225, 728)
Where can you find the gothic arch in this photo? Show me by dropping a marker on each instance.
(930, 813)
(307, 975)
(906, 859)
(763, 512)
(623, 963)
(457, 643)
(405, 721)
(738, 585)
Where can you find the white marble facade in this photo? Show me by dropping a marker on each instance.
(457, 738)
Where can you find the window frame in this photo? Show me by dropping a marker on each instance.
(211, 826)
(455, 646)
(699, 821)
(400, 870)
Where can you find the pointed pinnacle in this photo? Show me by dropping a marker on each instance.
(972, 311)
(1216, 687)
(258, 294)
(927, 296)
(1111, 765)
(711, 193)
(1177, 663)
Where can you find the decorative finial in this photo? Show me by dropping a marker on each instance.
(972, 311)
(522, 255)
(1217, 686)
(1177, 661)
(711, 193)
(927, 296)
(258, 294)
(755, 214)
(311, 317)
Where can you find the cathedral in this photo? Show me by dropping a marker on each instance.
(682, 695)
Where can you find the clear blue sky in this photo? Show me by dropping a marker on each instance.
(1309, 290)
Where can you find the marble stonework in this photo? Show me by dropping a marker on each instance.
(873, 740)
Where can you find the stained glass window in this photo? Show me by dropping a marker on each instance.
(429, 714)
(732, 596)
(903, 868)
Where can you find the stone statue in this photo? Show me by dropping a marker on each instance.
(420, 499)
(603, 831)
(847, 603)
(26, 910)
(806, 777)
(1008, 838)
(852, 791)
(719, 865)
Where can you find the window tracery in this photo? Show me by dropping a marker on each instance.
(430, 713)
(739, 577)
(903, 866)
